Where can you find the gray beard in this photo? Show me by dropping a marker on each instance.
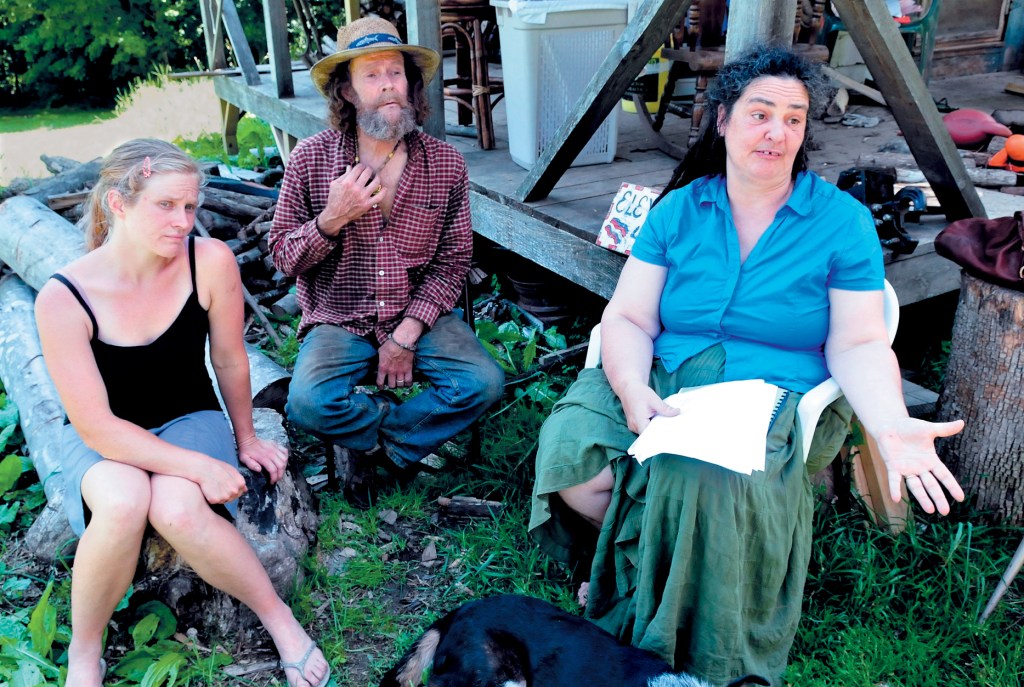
(375, 125)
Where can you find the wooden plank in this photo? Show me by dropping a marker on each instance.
(647, 30)
(872, 481)
(754, 22)
(285, 142)
(878, 41)
(351, 11)
(261, 101)
(423, 19)
(276, 22)
(239, 43)
(854, 85)
(581, 262)
(229, 116)
(213, 33)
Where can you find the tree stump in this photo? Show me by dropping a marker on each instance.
(984, 386)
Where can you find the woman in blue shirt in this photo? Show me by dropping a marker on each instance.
(749, 267)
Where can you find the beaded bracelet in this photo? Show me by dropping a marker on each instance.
(411, 348)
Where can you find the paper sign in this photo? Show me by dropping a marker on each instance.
(626, 215)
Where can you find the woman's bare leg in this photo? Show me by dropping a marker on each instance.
(222, 557)
(591, 498)
(108, 553)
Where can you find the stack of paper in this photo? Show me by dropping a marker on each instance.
(725, 424)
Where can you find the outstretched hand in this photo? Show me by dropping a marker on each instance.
(261, 454)
(641, 404)
(908, 449)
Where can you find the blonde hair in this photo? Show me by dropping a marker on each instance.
(127, 170)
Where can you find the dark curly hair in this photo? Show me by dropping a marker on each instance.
(707, 155)
(342, 114)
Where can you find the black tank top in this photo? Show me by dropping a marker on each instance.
(153, 384)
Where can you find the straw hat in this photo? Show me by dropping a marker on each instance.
(367, 36)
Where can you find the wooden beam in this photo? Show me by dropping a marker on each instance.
(229, 118)
(644, 33)
(276, 21)
(423, 19)
(283, 114)
(239, 43)
(878, 40)
(285, 142)
(752, 22)
(351, 11)
(213, 33)
(578, 260)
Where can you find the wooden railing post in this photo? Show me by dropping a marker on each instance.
(276, 22)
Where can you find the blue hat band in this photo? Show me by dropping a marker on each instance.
(373, 39)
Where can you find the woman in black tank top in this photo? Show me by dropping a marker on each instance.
(124, 331)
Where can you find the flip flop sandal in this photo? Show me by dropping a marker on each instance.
(300, 666)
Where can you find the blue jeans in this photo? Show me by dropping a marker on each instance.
(464, 381)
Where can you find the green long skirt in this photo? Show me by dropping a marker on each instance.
(700, 565)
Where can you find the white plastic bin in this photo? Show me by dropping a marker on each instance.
(550, 50)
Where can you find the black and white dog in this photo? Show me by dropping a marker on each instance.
(519, 641)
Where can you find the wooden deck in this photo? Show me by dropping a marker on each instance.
(558, 232)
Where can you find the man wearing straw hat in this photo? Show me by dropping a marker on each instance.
(373, 220)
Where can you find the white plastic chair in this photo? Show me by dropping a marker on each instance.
(815, 400)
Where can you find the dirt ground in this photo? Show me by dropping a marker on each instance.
(180, 108)
(839, 146)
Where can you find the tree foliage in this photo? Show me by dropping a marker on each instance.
(83, 52)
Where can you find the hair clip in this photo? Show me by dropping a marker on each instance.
(147, 167)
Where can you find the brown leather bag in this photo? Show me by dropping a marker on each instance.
(989, 249)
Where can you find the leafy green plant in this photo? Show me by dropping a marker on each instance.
(27, 644)
(253, 134)
(15, 502)
(516, 346)
(156, 660)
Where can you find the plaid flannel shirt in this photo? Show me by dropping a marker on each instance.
(376, 271)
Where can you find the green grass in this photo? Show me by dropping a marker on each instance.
(12, 121)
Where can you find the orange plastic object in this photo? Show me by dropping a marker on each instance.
(971, 127)
(1011, 157)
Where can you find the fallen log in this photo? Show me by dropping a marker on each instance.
(57, 164)
(36, 242)
(231, 208)
(262, 202)
(29, 386)
(76, 179)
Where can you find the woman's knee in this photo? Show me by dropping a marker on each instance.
(590, 495)
(117, 495)
(177, 505)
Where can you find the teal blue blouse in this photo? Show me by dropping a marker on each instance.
(770, 313)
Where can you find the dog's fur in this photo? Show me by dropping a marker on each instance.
(519, 641)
